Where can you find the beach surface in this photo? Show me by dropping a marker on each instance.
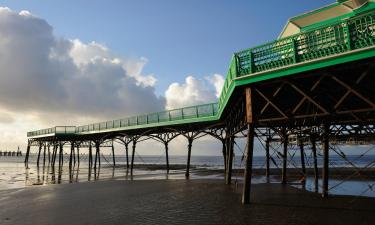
(177, 202)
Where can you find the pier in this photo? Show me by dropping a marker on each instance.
(312, 90)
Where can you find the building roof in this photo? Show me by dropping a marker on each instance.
(337, 11)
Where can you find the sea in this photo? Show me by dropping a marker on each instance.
(14, 174)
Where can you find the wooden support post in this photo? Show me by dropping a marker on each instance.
(127, 155)
(40, 149)
(303, 166)
(313, 149)
(27, 155)
(113, 156)
(190, 143)
(268, 157)
(224, 155)
(285, 156)
(249, 148)
(325, 171)
(133, 154)
(230, 149)
(166, 156)
(249, 164)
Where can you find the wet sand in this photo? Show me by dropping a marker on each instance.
(177, 202)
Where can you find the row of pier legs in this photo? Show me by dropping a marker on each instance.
(284, 136)
(228, 155)
(51, 156)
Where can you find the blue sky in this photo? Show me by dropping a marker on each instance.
(64, 78)
(178, 38)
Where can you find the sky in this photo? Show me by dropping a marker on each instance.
(77, 62)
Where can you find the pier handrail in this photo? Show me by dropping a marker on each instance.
(62, 130)
(331, 39)
(191, 112)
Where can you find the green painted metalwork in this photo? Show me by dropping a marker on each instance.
(335, 39)
(58, 130)
(339, 42)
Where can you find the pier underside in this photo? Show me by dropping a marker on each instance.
(312, 110)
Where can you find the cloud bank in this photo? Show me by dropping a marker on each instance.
(47, 80)
(48, 75)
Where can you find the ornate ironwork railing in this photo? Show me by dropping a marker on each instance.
(339, 37)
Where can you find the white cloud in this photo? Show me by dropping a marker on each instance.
(217, 81)
(83, 54)
(193, 92)
(61, 81)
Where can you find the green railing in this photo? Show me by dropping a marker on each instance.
(339, 37)
(192, 112)
(200, 111)
(59, 130)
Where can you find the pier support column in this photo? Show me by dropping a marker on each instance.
(27, 155)
(44, 154)
(127, 155)
(268, 158)
(71, 155)
(249, 164)
(315, 161)
(249, 148)
(54, 153)
(303, 166)
(97, 154)
(113, 156)
(74, 156)
(90, 155)
(133, 154)
(190, 144)
(223, 141)
(230, 146)
(325, 171)
(78, 155)
(49, 154)
(166, 156)
(40, 149)
(285, 156)
(61, 156)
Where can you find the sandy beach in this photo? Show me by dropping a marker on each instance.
(177, 202)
